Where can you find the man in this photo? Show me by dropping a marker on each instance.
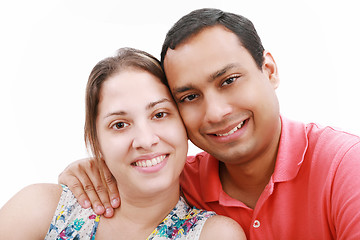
(278, 178)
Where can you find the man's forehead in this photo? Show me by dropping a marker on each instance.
(206, 55)
(208, 35)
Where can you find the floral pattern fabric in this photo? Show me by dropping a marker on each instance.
(183, 222)
(72, 222)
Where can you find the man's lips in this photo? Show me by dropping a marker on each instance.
(229, 132)
(232, 130)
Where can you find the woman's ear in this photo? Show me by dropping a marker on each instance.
(270, 68)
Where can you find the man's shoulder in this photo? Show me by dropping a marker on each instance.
(201, 162)
(200, 178)
(329, 147)
(197, 158)
(330, 137)
(316, 135)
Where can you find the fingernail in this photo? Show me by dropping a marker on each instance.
(100, 209)
(87, 204)
(108, 211)
(115, 202)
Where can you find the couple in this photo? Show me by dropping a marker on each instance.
(133, 124)
(277, 178)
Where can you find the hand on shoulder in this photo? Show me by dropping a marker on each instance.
(221, 227)
(83, 177)
(28, 214)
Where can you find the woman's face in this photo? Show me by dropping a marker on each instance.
(141, 135)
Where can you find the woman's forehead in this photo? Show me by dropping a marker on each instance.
(132, 89)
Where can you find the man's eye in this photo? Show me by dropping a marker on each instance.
(120, 125)
(160, 115)
(228, 81)
(189, 98)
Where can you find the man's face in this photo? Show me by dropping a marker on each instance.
(228, 104)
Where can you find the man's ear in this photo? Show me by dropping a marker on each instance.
(270, 69)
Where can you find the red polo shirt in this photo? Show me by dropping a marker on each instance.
(314, 192)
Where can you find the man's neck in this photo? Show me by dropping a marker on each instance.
(246, 182)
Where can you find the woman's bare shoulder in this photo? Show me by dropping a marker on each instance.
(221, 227)
(27, 215)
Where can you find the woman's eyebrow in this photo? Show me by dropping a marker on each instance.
(153, 104)
(149, 106)
(117, 113)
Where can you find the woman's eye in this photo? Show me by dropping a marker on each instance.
(160, 115)
(189, 98)
(120, 125)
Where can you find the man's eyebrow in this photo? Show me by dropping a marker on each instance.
(222, 71)
(212, 77)
(182, 89)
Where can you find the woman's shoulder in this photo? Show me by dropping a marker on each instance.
(36, 200)
(222, 227)
(193, 223)
(35, 203)
(187, 213)
(43, 191)
(72, 219)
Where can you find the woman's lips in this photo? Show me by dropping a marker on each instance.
(150, 162)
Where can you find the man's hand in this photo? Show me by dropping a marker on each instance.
(92, 184)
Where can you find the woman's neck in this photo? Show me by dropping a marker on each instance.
(150, 208)
(138, 216)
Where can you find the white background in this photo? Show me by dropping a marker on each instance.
(48, 48)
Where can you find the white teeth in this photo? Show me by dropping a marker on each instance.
(150, 162)
(232, 130)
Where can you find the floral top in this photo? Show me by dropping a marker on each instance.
(183, 222)
(71, 221)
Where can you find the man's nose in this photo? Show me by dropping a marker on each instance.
(216, 108)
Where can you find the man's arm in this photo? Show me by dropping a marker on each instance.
(92, 184)
(345, 200)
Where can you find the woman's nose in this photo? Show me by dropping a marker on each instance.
(145, 137)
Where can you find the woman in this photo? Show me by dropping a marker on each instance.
(132, 123)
